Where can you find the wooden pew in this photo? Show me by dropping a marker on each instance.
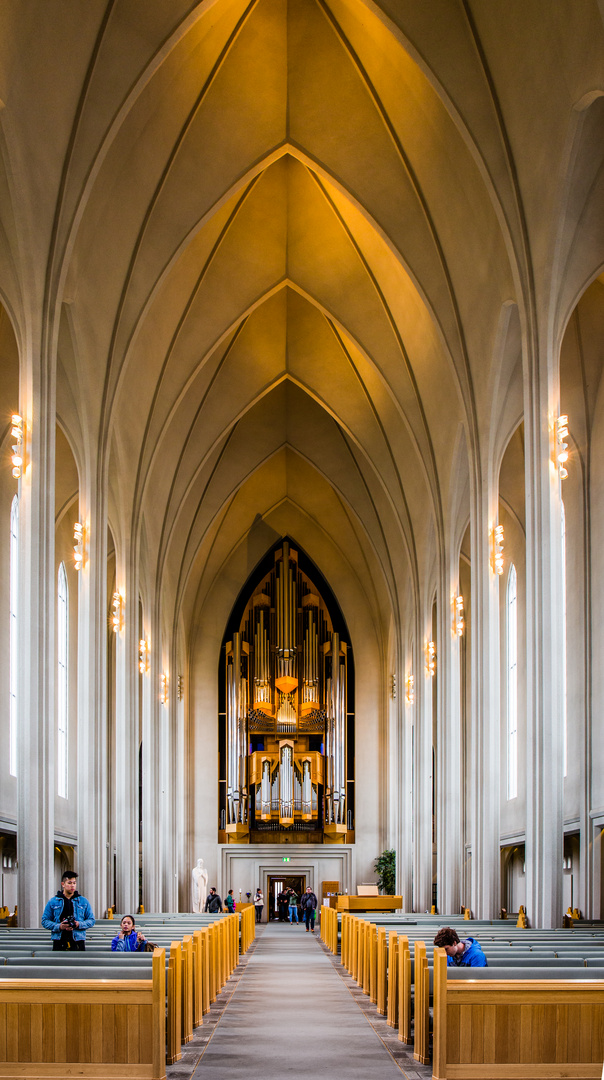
(516, 1028)
(85, 1027)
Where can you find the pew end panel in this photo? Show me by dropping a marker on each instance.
(516, 1029)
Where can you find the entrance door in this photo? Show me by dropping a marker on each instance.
(276, 884)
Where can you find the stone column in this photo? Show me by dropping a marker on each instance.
(404, 860)
(485, 720)
(126, 741)
(36, 634)
(93, 852)
(449, 844)
(544, 745)
(422, 789)
(151, 833)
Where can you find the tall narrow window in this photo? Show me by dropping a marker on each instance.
(564, 709)
(62, 680)
(512, 682)
(13, 644)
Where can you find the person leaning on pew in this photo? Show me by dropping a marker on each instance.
(465, 953)
(128, 939)
(68, 915)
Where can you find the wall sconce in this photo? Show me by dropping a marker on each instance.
(409, 690)
(180, 687)
(17, 435)
(561, 437)
(163, 689)
(431, 659)
(117, 613)
(497, 550)
(78, 547)
(460, 623)
(143, 656)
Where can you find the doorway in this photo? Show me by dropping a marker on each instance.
(278, 882)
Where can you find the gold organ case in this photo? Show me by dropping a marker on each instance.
(287, 724)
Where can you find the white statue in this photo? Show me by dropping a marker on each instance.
(200, 886)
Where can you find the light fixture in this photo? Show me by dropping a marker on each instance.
(180, 687)
(143, 656)
(497, 549)
(17, 434)
(409, 690)
(163, 688)
(78, 547)
(117, 612)
(561, 437)
(460, 623)
(431, 659)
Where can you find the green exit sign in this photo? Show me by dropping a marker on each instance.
(286, 858)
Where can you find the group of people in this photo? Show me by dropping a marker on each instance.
(68, 916)
(288, 904)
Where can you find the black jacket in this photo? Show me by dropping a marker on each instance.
(213, 903)
(309, 898)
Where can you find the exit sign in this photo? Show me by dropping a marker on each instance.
(286, 858)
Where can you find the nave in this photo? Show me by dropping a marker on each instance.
(293, 1014)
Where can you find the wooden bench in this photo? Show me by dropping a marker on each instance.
(112, 1029)
(495, 1029)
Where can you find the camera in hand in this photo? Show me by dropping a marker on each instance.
(70, 920)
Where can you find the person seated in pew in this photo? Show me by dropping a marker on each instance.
(68, 915)
(129, 938)
(464, 953)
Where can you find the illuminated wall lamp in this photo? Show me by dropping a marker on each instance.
(78, 547)
(431, 659)
(460, 623)
(163, 689)
(409, 690)
(143, 656)
(497, 550)
(17, 435)
(117, 613)
(562, 436)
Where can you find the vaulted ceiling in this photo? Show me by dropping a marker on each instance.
(276, 239)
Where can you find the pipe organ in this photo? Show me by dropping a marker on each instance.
(287, 747)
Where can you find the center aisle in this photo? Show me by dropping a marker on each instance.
(292, 1015)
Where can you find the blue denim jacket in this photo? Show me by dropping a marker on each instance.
(82, 912)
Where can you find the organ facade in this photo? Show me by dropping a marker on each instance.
(288, 732)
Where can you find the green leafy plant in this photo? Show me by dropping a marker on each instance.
(385, 868)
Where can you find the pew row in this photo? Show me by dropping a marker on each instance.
(499, 1029)
(109, 1029)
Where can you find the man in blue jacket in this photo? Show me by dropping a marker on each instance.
(68, 915)
(464, 953)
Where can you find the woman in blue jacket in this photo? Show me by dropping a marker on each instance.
(128, 939)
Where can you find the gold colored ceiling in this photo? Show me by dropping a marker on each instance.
(272, 245)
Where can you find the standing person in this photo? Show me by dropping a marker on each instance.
(309, 906)
(68, 915)
(213, 903)
(259, 903)
(293, 906)
(464, 953)
(230, 902)
(129, 938)
(283, 901)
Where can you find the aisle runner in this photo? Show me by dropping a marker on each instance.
(291, 1015)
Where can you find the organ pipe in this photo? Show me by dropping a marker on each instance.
(237, 708)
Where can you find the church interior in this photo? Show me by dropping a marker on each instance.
(301, 354)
